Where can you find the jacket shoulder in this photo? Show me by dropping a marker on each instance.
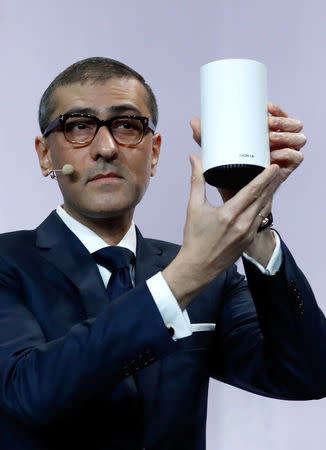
(13, 241)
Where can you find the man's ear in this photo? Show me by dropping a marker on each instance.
(156, 147)
(44, 155)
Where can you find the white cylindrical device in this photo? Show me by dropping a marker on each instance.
(234, 127)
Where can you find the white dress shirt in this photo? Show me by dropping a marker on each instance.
(165, 301)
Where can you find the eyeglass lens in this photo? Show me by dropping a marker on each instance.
(127, 131)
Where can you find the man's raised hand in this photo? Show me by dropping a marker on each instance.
(216, 236)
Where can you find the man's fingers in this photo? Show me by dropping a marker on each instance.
(276, 110)
(256, 191)
(264, 201)
(256, 216)
(284, 124)
(286, 140)
(251, 218)
(197, 194)
(287, 157)
(252, 204)
(196, 128)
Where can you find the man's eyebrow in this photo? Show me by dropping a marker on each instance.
(114, 109)
(82, 111)
(123, 108)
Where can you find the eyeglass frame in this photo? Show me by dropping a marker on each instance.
(62, 118)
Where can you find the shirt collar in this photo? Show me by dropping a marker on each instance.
(91, 240)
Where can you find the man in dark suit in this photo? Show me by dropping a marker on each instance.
(97, 356)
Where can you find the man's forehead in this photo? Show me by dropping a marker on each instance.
(101, 96)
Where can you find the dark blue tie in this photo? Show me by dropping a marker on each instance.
(118, 261)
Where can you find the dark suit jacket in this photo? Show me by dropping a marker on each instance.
(79, 373)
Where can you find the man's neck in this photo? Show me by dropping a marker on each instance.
(110, 229)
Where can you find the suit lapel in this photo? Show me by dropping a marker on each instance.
(150, 259)
(65, 251)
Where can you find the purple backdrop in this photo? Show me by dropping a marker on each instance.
(167, 42)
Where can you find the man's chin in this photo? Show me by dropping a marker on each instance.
(102, 208)
(104, 214)
(107, 212)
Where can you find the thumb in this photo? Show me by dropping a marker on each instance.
(196, 129)
(197, 192)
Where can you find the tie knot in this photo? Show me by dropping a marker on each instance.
(114, 257)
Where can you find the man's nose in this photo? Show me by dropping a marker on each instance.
(103, 144)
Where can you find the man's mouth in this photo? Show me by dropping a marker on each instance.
(106, 177)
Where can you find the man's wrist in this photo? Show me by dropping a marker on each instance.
(168, 307)
(181, 277)
(262, 248)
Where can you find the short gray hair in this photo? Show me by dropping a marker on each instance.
(97, 69)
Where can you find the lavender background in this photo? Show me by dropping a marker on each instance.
(167, 42)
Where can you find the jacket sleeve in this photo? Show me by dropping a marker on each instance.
(274, 345)
(39, 379)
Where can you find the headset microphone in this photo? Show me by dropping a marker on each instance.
(67, 169)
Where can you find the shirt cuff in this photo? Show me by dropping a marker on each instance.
(276, 259)
(168, 307)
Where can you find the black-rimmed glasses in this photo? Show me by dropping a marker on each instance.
(80, 128)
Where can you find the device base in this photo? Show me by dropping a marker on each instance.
(232, 176)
